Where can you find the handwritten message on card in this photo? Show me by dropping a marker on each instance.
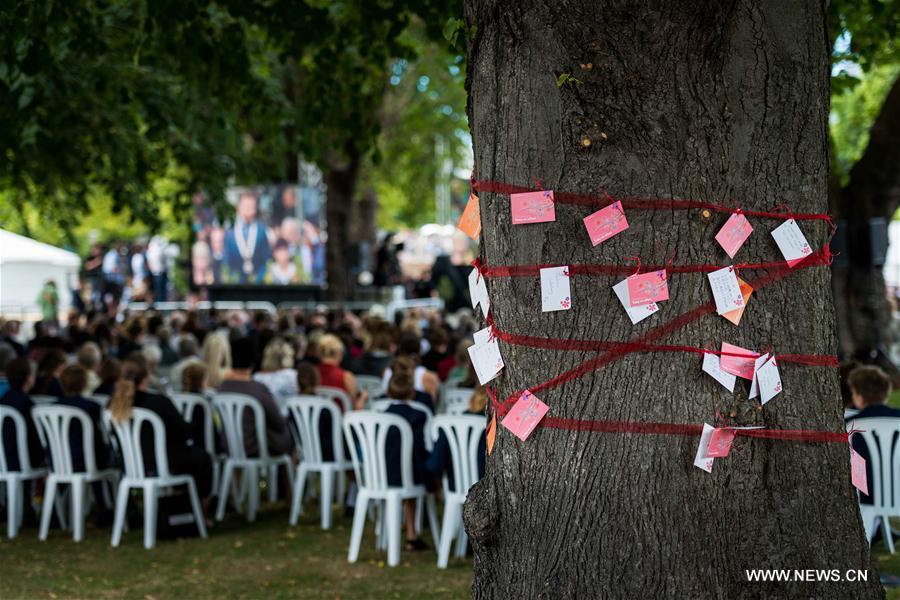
(525, 414)
(769, 380)
(486, 360)
(726, 290)
(556, 293)
(605, 223)
(735, 315)
(532, 207)
(791, 242)
(711, 366)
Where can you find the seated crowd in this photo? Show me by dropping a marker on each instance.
(141, 361)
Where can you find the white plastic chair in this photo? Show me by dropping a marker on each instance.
(383, 405)
(372, 385)
(187, 404)
(456, 400)
(306, 412)
(463, 435)
(54, 424)
(884, 487)
(15, 480)
(231, 408)
(129, 435)
(101, 399)
(366, 433)
(336, 394)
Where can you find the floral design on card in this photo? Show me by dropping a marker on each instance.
(635, 313)
(737, 361)
(734, 233)
(605, 223)
(532, 207)
(648, 287)
(701, 460)
(525, 414)
(735, 315)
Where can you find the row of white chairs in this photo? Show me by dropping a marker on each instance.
(367, 430)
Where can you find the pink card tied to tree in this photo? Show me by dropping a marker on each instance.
(532, 207)
(742, 364)
(734, 233)
(525, 414)
(648, 287)
(720, 443)
(605, 223)
(858, 472)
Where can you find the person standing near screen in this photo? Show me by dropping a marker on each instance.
(246, 245)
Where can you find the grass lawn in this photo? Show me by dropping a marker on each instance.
(266, 559)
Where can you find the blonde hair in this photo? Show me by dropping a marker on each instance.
(478, 400)
(217, 357)
(122, 401)
(330, 346)
(279, 354)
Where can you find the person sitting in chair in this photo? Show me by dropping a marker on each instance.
(869, 388)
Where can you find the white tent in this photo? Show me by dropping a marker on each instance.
(25, 265)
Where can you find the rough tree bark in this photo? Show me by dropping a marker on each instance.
(863, 311)
(722, 101)
(341, 176)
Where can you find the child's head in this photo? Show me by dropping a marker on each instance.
(307, 378)
(193, 378)
(73, 380)
(869, 386)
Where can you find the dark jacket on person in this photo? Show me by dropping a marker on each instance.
(76, 445)
(871, 411)
(440, 461)
(278, 436)
(417, 420)
(177, 433)
(19, 400)
(47, 386)
(372, 363)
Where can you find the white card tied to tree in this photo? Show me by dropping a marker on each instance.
(485, 357)
(726, 290)
(712, 367)
(478, 292)
(754, 384)
(769, 380)
(556, 293)
(635, 313)
(791, 242)
(701, 461)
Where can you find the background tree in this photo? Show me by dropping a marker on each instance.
(722, 102)
(864, 188)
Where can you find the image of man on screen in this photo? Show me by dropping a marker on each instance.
(247, 248)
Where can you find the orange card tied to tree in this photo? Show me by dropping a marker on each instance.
(470, 220)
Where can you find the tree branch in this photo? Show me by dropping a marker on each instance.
(875, 178)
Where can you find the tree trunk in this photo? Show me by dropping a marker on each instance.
(724, 102)
(341, 175)
(863, 311)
